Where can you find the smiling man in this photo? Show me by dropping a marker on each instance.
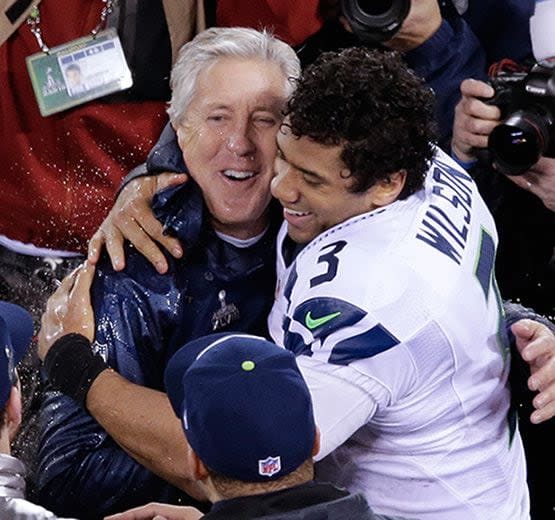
(229, 87)
(391, 304)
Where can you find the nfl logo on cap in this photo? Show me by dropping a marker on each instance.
(269, 466)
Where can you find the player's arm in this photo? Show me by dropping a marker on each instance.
(341, 398)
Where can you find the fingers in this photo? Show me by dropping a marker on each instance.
(112, 238)
(165, 180)
(526, 331)
(95, 247)
(474, 119)
(154, 229)
(114, 241)
(476, 88)
(544, 403)
(144, 240)
(136, 222)
(83, 278)
(536, 344)
(155, 511)
(523, 181)
(523, 331)
(539, 180)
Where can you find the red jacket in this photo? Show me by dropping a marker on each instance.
(292, 20)
(59, 173)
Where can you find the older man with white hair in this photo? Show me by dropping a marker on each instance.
(229, 88)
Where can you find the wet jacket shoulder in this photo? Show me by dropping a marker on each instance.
(143, 317)
(310, 501)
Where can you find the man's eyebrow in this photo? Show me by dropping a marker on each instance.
(217, 105)
(266, 107)
(297, 167)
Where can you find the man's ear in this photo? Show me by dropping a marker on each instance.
(316, 447)
(386, 191)
(198, 468)
(13, 412)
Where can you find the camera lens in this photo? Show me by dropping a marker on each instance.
(375, 20)
(519, 142)
(375, 7)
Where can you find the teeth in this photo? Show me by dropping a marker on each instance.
(296, 213)
(235, 174)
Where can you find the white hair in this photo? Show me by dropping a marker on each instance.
(222, 42)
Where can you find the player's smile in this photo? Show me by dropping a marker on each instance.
(312, 183)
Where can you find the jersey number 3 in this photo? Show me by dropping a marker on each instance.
(330, 259)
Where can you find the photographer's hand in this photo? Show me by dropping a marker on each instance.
(421, 23)
(474, 119)
(540, 180)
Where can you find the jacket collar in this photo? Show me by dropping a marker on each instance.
(308, 501)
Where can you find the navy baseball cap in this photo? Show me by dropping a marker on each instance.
(16, 332)
(245, 407)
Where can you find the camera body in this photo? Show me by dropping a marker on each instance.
(527, 132)
(374, 21)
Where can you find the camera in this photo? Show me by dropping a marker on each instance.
(375, 21)
(527, 104)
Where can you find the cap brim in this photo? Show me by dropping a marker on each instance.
(19, 324)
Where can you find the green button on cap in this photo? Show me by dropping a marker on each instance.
(247, 366)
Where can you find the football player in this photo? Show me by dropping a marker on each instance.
(387, 294)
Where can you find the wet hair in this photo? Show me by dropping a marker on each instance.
(225, 42)
(373, 105)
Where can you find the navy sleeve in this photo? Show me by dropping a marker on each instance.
(509, 36)
(451, 55)
(82, 471)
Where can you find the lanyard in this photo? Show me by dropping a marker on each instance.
(34, 23)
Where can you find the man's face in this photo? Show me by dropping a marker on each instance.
(73, 77)
(312, 184)
(228, 140)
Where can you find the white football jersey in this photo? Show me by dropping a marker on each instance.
(398, 325)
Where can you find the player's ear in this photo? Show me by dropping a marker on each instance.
(316, 447)
(197, 466)
(387, 190)
(13, 412)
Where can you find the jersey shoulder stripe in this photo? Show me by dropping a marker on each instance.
(362, 346)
